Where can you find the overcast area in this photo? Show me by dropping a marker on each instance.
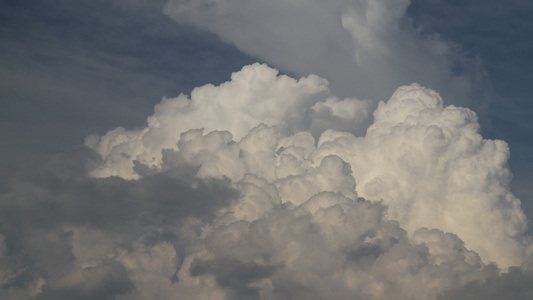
(201, 149)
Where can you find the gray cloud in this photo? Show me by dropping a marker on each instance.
(365, 48)
(299, 208)
(515, 284)
(105, 282)
(257, 188)
(234, 275)
(46, 207)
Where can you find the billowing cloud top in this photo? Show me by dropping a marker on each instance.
(255, 95)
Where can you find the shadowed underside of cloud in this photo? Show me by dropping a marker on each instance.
(62, 231)
(243, 192)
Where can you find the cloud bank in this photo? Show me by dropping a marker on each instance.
(243, 192)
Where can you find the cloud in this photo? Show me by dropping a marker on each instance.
(365, 48)
(425, 161)
(259, 204)
(511, 285)
(104, 282)
(234, 275)
(66, 235)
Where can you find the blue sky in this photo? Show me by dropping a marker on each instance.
(69, 69)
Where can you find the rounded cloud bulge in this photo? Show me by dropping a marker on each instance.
(255, 95)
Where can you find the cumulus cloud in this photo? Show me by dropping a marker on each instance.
(425, 161)
(260, 200)
(511, 285)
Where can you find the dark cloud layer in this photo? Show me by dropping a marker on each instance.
(49, 197)
(104, 282)
(43, 203)
(234, 275)
(516, 285)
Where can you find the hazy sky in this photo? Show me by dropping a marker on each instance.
(202, 149)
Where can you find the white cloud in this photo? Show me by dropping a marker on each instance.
(255, 95)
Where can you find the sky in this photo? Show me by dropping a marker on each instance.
(202, 149)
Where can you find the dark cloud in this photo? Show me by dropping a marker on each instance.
(287, 289)
(234, 275)
(44, 203)
(105, 282)
(514, 284)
